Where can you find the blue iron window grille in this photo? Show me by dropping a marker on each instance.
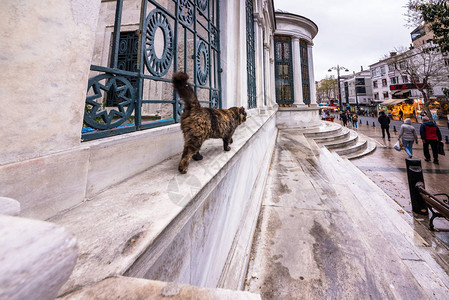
(305, 72)
(134, 92)
(283, 70)
(250, 55)
(127, 61)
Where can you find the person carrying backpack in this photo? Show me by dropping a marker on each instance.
(354, 121)
(430, 135)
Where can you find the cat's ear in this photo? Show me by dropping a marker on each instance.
(242, 114)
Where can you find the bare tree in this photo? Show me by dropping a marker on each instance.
(425, 68)
(434, 13)
(328, 87)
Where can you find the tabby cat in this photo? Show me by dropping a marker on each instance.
(200, 123)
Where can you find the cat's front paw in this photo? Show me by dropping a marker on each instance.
(197, 156)
(182, 169)
(231, 141)
(227, 148)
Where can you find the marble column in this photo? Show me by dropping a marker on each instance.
(260, 72)
(297, 77)
(311, 75)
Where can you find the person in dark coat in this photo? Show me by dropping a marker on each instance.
(384, 124)
(430, 135)
(344, 119)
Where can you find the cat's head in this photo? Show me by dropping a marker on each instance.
(241, 114)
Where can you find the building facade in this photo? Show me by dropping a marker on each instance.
(357, 91)
(97, 109)
(293, 59)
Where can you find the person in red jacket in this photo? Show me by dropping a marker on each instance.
(430, 135)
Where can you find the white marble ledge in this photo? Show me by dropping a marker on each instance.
(36, 258)
(9, 206)
(299, 108)
(136, 288)
(119, 224)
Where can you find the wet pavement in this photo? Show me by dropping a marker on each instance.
(387, 168)
(336, 229)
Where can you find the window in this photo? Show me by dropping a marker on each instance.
(402, 65)
(385, 94)
(305, 71)
(375, 84)
(250, 55)
(175, 35)
(384, 82)
(446, 62)
(394, 80)
(283, 70)
(126, 61)
(404, 79)
(376, 96)
(390, 68)
(382, 70)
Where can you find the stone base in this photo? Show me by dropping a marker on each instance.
(298, 117)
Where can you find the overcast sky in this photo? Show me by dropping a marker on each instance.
(352, 33)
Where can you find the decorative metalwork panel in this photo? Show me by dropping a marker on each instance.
(95, 115)
(283, 70)
(305, 72)
(186, 12)
(202, 4)
(157, 19)
(134, 91)
(215, 100)
(202, 62)
(250, 55)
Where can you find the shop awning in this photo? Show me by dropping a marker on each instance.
(392, 101)
(400, 92)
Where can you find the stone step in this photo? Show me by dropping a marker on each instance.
(370, 148)
(350, 140)
(360, 145)
(341, 135)
(325, 129)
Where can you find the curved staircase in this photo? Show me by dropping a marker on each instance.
(345, 142)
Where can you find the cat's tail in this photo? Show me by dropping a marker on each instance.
(184, 90)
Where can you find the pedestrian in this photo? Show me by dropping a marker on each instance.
(344, 119)
(430, 135)
(323, 115)
(448, 119)
(414, 115)
(384, 124)
(408, 135)
(401, 114)
(354, 121)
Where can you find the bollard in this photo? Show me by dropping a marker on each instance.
(367, 123)
(414, 175)
(447, 140)
(374, 124)
(394, 129)
(360, 121)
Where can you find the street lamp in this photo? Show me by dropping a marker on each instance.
(338, 68)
